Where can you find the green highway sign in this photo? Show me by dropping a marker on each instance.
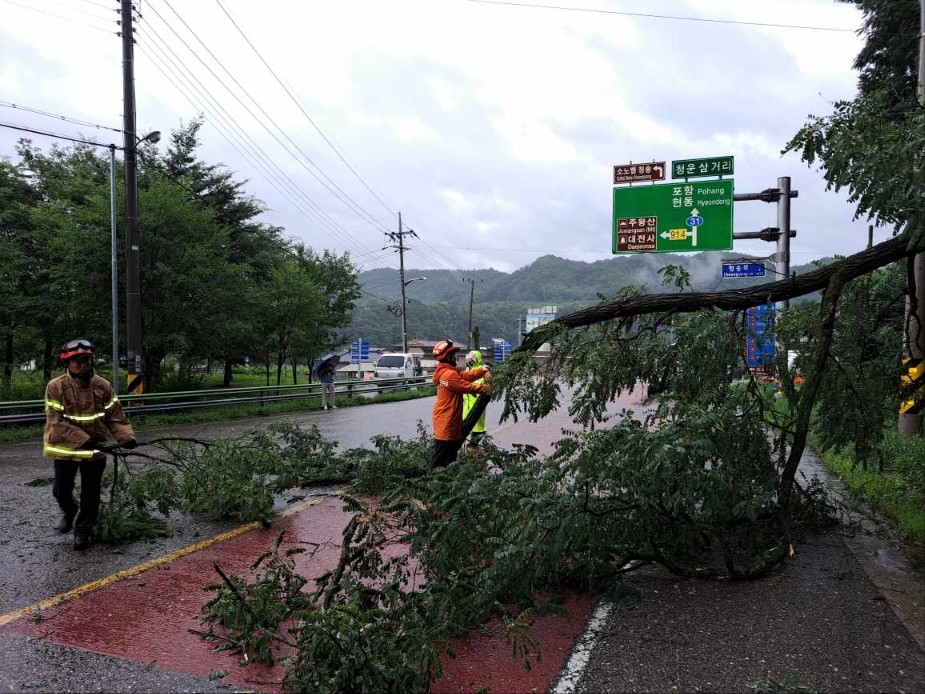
(698, 168)
(673, 217)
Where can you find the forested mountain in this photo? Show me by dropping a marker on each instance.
(438, 306)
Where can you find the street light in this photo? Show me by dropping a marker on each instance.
(404, 313)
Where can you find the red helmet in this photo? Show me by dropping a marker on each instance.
(444, 349)
(75, 348)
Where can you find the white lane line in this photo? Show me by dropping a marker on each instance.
(581, 655)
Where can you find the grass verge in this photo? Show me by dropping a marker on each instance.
(898, 491)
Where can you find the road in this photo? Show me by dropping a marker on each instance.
(40, 564)
(29, 543)
(819, 621)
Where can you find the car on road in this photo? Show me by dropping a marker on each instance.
(398, 365)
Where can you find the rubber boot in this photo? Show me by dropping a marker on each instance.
(81, 540)
(66, 523)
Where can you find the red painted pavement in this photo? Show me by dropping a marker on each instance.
(148, 618)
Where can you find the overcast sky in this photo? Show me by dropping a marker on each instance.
(493, 127)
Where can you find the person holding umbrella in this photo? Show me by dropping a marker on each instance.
(326, 376)
(325, 367)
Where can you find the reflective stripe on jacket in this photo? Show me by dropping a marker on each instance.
(76, 414)
(451, 384)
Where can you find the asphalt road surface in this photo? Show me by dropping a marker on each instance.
(844, 614)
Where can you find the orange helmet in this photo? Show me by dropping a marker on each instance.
(444, 349)
(75, 348)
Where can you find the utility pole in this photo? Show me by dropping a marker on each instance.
(133, 342)
(913, 387)
(471, 281)
(398, 237)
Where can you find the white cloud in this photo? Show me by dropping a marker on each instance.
(493, 128)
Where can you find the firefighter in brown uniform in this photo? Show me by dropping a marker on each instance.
(81, 411)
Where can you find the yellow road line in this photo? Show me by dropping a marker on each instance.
(141, 568)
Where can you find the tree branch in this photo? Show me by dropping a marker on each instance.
(847, 269)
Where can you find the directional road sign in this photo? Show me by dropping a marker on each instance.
(740, 268)
(638, 173)
(673, 217)
(698, 168)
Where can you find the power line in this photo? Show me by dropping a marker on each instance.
(19, 107)
(356, 208)
(58, 16)
(258, 160)
(647, 15)
(70, 8)
(99, 4)
(51, 134)
(263, 162)
(332, 187)
(304, 112)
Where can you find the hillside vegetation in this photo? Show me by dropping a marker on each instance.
(438, 307)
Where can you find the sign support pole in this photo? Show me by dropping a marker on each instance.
(782, 259)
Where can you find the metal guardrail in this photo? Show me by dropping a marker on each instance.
(33, 411)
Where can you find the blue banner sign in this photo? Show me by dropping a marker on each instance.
(502, 350)
(759, 336)
(359, 351)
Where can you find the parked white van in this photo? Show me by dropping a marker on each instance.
(398, 365)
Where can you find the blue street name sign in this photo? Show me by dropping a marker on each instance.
(743, 269)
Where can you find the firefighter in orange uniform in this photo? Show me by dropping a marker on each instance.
(81, 411)
(451, 383)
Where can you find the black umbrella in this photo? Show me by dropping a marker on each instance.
(332, 358)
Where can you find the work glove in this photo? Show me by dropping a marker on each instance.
(87, 445)
(129, 445)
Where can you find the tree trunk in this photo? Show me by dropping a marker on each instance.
(8, 360)
(49, 359)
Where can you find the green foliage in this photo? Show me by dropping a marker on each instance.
(905, 457)
(361, 629)
(390, 462)
(228, 480)
(121, 522)
(251, 613)
(898, 492)
(41, 482)
(225, 285)
(873, 149)
(300, 457)
(859, 390)
(788, 686)
(134, 499)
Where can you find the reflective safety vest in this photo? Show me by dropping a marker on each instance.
(451, 384)
(78, 413)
